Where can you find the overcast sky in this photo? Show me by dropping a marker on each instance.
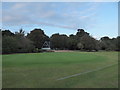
(97, 18)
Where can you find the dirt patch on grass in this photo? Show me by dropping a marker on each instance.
(63, 51)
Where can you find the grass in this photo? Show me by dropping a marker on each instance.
(41, 70)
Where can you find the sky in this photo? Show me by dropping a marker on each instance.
(97, 18)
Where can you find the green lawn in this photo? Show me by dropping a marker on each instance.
(41, 70)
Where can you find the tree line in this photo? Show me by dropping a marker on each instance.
(18, 42)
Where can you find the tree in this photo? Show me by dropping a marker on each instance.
(72, 42)
(38, 37)
(7, 33)
(59, 41)
(80, 46)
(117, 43)
(20, 33)
(108, 44)
(81, 33)
(17, 43)
(54, 41)
(24, 44)
(0, 41)
(85, 41)
(9, 44)
(88, 42)
(64, 41)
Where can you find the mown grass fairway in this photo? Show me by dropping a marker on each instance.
(41, 70)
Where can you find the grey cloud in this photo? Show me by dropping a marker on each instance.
(45, 14)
